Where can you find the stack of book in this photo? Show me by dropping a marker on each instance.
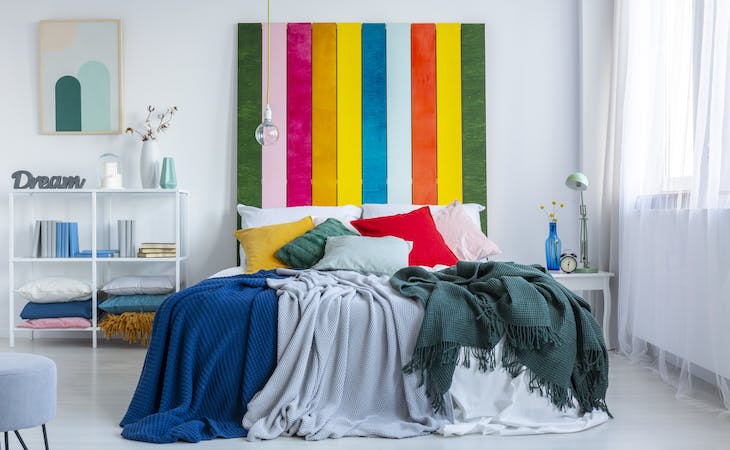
(125, 237)
(55, 239)
(157, 250)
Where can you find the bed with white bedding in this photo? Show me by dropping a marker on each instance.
(341, 342)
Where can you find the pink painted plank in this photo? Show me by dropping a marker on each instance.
(299, 114)
(273, 158)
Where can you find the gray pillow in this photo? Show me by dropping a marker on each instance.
(378, 255)
(138, 286)
(308, 248)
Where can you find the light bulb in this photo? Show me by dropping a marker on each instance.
(267, 133)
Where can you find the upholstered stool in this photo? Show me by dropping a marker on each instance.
(27, 393)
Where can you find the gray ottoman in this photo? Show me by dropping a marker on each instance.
(27, 393)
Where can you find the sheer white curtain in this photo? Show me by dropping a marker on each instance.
(666, 185)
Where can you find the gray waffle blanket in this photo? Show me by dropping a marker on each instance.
(343, 339)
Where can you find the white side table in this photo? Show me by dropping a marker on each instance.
(598, 281)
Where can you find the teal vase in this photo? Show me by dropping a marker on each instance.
(168, 179)
(553, 248)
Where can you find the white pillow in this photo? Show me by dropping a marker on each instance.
(252, 217)
(370, 210)
(378, 255)
(55, 289)
(138, 286)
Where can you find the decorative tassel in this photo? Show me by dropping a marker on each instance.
(133, 326)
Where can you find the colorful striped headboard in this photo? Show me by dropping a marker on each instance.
(367, 113)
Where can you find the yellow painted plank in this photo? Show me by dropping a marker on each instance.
(324, 114)
(448, 112)
(349, 114)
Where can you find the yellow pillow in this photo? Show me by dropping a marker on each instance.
(261, 243)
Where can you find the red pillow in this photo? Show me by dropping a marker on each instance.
(417, 226)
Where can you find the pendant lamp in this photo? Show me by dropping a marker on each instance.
(267, 133)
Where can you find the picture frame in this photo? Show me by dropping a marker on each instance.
(80, 82)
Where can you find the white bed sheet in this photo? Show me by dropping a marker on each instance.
(494, 403)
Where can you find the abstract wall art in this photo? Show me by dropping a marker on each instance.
(80, 76)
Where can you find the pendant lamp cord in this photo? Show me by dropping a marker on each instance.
(268, 47)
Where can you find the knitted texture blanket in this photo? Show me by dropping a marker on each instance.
(213, 347)
(546, 329)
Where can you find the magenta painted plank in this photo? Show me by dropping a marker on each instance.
(273, 158)
(299, 114)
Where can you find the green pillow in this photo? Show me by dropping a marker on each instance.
(304, 251)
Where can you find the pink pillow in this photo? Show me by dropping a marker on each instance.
(429, 248)
(462, 235)
(57, 322)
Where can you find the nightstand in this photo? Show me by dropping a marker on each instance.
(598, 281)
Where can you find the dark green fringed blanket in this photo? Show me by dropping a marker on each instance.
(548, 329)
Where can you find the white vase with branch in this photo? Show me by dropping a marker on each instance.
(150, 158)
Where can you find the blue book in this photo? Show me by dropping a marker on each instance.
(59, 240)
(99, 253)
(73, 239)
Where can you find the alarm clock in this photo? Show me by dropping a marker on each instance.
(568, 262)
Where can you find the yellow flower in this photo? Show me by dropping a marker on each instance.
(554, 202)
(542, 206)
(562, 205)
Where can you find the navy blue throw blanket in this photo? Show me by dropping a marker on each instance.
(213, 347)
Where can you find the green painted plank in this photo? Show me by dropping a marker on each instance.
(249, 113)
(474, 122)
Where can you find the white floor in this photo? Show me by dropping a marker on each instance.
(95, 386)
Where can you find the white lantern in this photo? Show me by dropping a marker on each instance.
(110, 171)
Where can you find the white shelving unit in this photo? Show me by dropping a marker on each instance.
(161, 215)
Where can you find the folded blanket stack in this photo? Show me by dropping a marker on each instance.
(545, 327)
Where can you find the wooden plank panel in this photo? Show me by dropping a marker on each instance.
(423, 112)
(299, 114)
(273, 157)
(398, 68)
(249, 114)
(349, 114)
(374, 141)
(448, 113)
(324, 114)
(474, 128)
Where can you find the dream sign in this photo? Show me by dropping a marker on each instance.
(25, 180)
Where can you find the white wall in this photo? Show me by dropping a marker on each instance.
(183, 53)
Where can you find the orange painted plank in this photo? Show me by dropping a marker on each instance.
(423, 107)
(324, 114)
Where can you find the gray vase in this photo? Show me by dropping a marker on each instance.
(149, 164)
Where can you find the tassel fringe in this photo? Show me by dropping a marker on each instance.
(134, 327)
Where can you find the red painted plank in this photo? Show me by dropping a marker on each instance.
(423, 105)
(299, 114)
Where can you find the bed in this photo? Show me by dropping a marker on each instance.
(395, 323)
(330, 353)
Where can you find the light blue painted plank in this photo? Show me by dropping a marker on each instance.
(374, 162)
(398, 74)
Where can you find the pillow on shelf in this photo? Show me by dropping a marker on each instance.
(55, 289)
(252, 216)
(119, 304)
(261, 243)
(462, 236)
(308, 248)
(56, 322)
(378, 255)
(139, 285)
(51, 310)
(429, 248)
(370, 210)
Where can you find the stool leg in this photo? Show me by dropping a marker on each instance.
(45, 436)
(20, 439)
(7, 443)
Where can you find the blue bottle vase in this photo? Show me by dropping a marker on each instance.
(553, 248)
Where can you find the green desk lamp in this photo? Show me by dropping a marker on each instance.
(579, 182)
